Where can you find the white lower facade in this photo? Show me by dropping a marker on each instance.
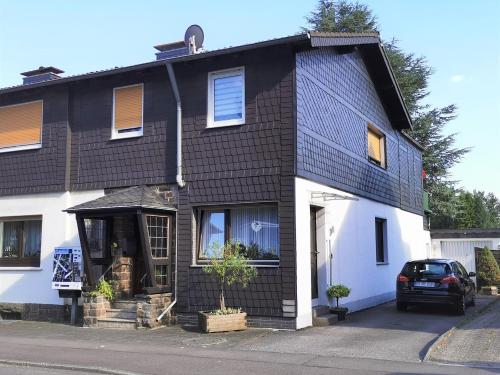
(33, 284)
(346, 249)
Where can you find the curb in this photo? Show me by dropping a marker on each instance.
(441, 339)
(56, 366)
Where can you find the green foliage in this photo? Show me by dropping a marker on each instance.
(412, 74)
(229, 266)
(488, 272)
(104, 289)
(337, 291)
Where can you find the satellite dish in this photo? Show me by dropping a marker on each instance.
(196, 32)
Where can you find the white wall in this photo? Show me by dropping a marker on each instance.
(33, 285)
(349, 235)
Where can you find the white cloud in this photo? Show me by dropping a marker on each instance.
(457, 78)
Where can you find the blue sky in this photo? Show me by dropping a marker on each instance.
(459, 38)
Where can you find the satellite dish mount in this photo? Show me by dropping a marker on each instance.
(193, 39)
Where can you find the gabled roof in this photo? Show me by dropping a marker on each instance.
(368, 44)
(135, 197)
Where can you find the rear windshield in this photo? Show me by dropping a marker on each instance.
(426, 269)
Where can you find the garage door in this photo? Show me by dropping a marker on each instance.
(463, 251)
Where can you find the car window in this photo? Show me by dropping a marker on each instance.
(455, 268)
(426, 269)
(462, 269)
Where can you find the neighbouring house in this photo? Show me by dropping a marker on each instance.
(461, 244)
(295, 147)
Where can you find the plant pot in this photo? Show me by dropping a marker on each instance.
(341, 312)
(489, 290)
(222, 323)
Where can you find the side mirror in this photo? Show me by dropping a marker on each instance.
(472, 274)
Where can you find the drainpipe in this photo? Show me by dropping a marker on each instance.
(175, 89)
(172, 304)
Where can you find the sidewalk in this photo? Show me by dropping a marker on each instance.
(474, 343)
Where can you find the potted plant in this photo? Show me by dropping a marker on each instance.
(228, 267)
(338, 291)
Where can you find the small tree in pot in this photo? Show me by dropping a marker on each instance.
(228, 267)
(338, 291)
(488, 272)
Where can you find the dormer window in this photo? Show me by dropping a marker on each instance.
(376, 146)
(128, 103)
(226, 97)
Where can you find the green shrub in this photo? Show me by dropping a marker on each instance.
(488, 272)
(104, 289)
(337, 291)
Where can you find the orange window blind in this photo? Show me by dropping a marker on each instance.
(128, 107)
(374, 146)
(21, 124)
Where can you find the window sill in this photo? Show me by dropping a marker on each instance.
(126, 135)
(253, 265)
(382, 263)
(224, 124)
(20, 148)
(21, 268)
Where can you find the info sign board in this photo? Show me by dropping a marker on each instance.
(68, 268)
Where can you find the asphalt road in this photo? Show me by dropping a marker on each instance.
(379, 340)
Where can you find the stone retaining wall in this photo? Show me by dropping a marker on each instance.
(149, 307)
(94, 308)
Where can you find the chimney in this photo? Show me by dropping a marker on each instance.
(192, 43)
(41, 74)
(171, 50)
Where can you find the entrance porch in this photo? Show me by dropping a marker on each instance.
(127, 238)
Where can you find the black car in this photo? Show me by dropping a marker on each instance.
(435, 281)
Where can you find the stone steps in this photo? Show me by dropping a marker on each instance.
(121, 313)
(321, 316)
(116, 323)
(129, 305)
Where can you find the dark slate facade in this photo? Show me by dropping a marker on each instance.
(336, 100)
(40, 170)
(97, 161)
(253, 162)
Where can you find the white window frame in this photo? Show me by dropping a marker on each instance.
(212, 76)
(116, 134)
(32, 146)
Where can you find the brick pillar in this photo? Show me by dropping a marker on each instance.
(94, 308)
(123, 274)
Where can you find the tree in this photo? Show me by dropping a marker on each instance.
(488, 272)
(229, 266)
(412, 74)
(477, 210)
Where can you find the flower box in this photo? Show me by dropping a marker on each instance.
(210, 322)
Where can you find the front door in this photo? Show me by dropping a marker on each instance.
(314, 255)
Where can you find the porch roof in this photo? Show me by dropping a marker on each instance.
(134, 197)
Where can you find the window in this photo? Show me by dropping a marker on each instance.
(256, 228)
(421, 269)
(376, 146)
(159, 236)
(21, 126)
(20, 242)
(128, 105)
(381, 240)
(226, 98)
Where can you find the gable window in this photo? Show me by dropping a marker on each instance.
(20, 242)
(376, 146)
(21, 126)
(381, 240)
(255, 228)
(226, 97)
(128, 103)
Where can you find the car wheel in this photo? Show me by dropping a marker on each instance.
(401, 306)
(460, 307)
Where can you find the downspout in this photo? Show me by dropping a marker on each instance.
(180, 181)
(175, 89)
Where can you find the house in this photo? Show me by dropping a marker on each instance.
(294, 147)
(461, 244)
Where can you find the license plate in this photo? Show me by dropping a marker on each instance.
(425, 284)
